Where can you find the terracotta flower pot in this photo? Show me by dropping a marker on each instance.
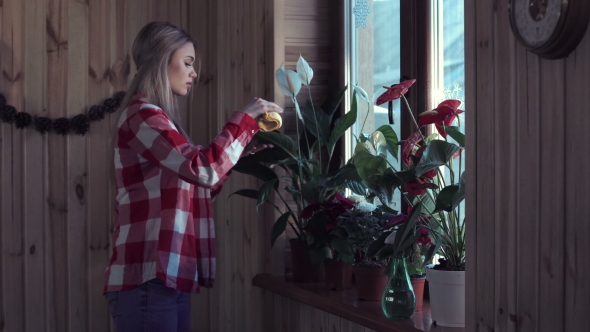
(418, 285)
(302, 268)
(370, 282)
(338, 275)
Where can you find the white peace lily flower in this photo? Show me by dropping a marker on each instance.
(288, 81)
(356, 198)
(304, 70)
(366, 207)
(361, 93)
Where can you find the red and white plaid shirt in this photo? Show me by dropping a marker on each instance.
(164, 227)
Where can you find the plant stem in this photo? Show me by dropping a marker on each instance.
(412, 116)
(299, 225)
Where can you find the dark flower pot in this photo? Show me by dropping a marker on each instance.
(338, 275)
(370, 282)
(302, 268)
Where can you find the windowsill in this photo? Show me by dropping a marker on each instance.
(346, 305)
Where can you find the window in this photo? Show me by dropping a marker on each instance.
(373, 45)
(374, 49)
(448, 68)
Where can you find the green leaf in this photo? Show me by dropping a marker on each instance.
(436, 154)
(279, 140)
(363, 138)
(377, 245)
(379, 143)
(316, 122)
(456, 134)
(333, 101)
(391, 139)
(279, 227)
(346, 174)
(266, 190)
(406, 176)
(250, 193)
(357, 187)
(433, 249)
(407, 230)
(385, 252)
(341, 125)
(430, 138)
(249, 165)
(341, 246)
(444, 199)
(460, 194)
(428, 204)
(368, 164)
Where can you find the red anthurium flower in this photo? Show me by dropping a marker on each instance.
(443, 115)
(395, 92)
(408, 147)
(396, 220)
(423, 231)
(415, 188)
(430, 174)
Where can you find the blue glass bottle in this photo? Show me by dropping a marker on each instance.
(398, 300)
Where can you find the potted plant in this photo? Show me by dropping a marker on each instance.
(422, 183)
(370, 275)
(307, 170)
(329, 230)
(416, 262)
(427, 159)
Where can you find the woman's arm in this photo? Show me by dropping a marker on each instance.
(153, 136)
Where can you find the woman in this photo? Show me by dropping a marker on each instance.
(164, 232)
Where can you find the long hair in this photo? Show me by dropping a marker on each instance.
(152, 51)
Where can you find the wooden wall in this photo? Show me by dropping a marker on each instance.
(58, 57)
(528, 199)
(293, 316)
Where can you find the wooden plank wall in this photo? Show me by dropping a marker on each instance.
(528, 200)
(293, 316)
(59, 57)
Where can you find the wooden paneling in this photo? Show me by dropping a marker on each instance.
(577, 209)
(527, 199)
(57, 58)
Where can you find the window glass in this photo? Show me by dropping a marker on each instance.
(449, 69)
(375, 62)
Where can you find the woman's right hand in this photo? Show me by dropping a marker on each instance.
(259, 106)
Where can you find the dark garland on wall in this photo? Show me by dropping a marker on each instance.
(79, 124)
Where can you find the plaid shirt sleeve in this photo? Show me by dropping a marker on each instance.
(156, 139)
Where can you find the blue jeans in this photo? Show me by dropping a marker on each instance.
(150, 307)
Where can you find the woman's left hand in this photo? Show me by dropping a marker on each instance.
(254, 147)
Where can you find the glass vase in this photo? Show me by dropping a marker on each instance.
(398, 300)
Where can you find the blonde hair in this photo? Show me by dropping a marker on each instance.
(152, 51)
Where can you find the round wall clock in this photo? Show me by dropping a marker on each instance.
(550, 28)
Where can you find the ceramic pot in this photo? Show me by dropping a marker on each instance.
(418, 285)
(370, 282)
(338, 275)
(447, 297)
(302, 268)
